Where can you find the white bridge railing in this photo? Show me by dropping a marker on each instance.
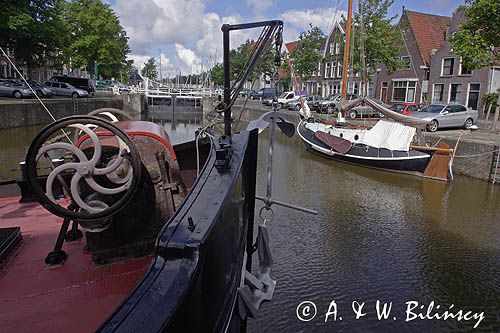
(155, 90)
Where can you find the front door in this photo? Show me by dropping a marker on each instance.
(383, 92)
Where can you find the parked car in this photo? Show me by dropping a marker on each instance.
(367, 111)
(245, 92)
(263, 93)
(311, 100)
(332, 103)
(14, 89)
(41, 90)
(451, 115)
(66, 89)
(406, 108)
(288, 96)
(79, 83)
(268, 101)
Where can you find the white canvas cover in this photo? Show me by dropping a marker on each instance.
(389, 135)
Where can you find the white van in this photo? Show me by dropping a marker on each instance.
(288, 96)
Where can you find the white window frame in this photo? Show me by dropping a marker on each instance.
(468, 91)
(337, 48)
(406, 87)
(319, 68)
(327, 70)
(433, 88)
(460, 69)
(339, 69)
(449, 92)
(332, 69)
(452, 67)
(332, 46)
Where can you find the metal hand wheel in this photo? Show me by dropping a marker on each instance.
(100, 172)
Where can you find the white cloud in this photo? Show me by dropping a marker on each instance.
(167, 68)
(190, 62)
(296, 21)
(160, 21)
(260, 6)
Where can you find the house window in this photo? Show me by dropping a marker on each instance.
(403, 91)
(319, 68)
(332, 48)
(406, 60)
(337, 48)
(339, 70)
(437, 95)
(455, 93)
(472, 100)
(327, 70)
(332, 71)
(447, 68)
(427, 74)
(464, 70)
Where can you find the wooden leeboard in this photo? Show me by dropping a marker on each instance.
(438, 167)
(340, 145)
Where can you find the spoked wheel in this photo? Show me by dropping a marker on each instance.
(93, 161)
(468, 123)
(433, 126)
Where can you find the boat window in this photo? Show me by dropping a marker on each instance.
(356, 137)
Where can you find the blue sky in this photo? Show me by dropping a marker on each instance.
(188, 32)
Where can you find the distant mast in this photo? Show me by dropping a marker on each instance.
(346, 52)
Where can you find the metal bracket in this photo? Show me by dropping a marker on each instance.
(223, 153)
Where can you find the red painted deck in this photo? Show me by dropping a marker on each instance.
(76, 297)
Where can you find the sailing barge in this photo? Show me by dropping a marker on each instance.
(163, 248)
(388, 145)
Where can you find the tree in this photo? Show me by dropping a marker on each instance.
(382, 41)
(34, 30)
(308, 53)
(478, 39)
(217, 74)
(239, 60)
(96, 37)
(150, 71)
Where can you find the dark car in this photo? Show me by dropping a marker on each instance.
(332, 103)
(263, 93)
(245, 92)
(77, 82)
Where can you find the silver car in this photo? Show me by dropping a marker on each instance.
(66, 89)
(14, 89)
(451, 115)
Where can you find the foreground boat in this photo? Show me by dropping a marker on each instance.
(168, 231)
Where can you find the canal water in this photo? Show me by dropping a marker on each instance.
(378, 236)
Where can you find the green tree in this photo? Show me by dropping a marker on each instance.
(34, 30)
(96, 37)
(382, 41)
(478, 39)
(217, 74)
(150, 71)
(308, 53)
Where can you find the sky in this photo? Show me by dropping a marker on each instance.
(187, 35)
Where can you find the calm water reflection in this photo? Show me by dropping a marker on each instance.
(378, 236)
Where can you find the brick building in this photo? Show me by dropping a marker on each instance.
(451, 82)
(422, 34)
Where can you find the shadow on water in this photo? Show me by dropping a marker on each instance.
(378, 236)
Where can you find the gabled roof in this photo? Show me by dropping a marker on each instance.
(291, 46)
(429, 31)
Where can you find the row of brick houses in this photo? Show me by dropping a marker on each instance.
(432, 72)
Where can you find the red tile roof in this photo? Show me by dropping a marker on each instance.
(291, 46)
(429, 31)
